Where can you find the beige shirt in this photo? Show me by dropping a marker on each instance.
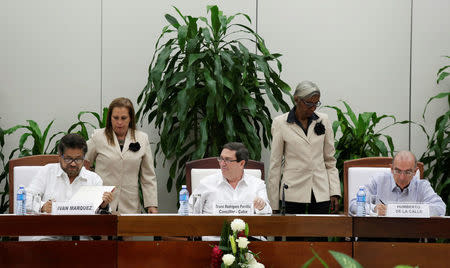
(121, 169)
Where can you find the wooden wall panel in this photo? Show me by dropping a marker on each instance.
(381, 254)
(198, 254)
(69, 254)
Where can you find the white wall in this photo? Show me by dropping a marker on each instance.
(61, 57)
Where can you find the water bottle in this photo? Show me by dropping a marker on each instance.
(21, 200)
(184, 201)
(361, 202)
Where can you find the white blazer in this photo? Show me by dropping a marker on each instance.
(308, 162)
(121, 169)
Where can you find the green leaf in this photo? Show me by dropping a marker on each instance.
(23, 139)
(44, 137)
(34, 128)
(308, 263)
(442, 76)
(201, 146)
(206, 34)
(194, 57)
(181, 15)
(438, 96)
(11, 130)
(345, 260)
(215, 20)
(351, 114)
(192, 27)
(172, 20)
(182, 34)
(319, 258)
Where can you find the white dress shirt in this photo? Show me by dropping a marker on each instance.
(215, 188)
(52, 183)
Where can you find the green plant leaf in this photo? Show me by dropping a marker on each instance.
(44, 136)
(351, 114)
(189, 91)
(182, 34)
(344, 260)
(181, 15)
(438, 96)
(23, 139)
(215, 23)
(194, 57)
(308, 263)
(442, 76)
(172, 20)
(319, 258)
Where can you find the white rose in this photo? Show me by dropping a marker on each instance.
(250, 258)
(256, 265)
(237, 225)
(228, 259)
(242, 242)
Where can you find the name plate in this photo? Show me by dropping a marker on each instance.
(73, 208)
(408, 210)
(233, 208)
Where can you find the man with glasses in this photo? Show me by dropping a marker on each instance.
(402, 185)
(232, 183)
(59, 181)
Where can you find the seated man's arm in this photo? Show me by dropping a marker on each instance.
(437, 206)
(107, 198)
(261, 196)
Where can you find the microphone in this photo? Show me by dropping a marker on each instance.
(283, 201)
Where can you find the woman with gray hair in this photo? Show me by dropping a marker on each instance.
(302, 157)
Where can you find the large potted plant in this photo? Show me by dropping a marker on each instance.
(358, 136)
(437, 156)
(205, 87)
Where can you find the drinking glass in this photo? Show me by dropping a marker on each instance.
(33, 203)
(198, 204)
(373, 201)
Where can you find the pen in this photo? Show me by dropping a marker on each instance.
(382, 202)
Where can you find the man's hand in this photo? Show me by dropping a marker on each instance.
(334, 203)
(381, 209)
(259, 203)
(107, 198)
(152, 210)
(47, 207)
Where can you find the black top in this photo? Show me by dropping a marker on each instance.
(293, 119)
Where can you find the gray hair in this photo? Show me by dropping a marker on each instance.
(306, 89)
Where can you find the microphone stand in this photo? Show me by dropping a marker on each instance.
(283, 201)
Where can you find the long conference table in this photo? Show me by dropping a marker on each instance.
(175, 251)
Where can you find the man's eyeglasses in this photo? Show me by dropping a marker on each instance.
(220, 159)
(408, 172)
(311, 104)
(70, 160)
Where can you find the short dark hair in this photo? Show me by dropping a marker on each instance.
(72, 141)
(241, 150)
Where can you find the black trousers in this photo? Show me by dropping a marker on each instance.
(312, 208)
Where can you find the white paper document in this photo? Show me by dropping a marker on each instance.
(91, 194)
